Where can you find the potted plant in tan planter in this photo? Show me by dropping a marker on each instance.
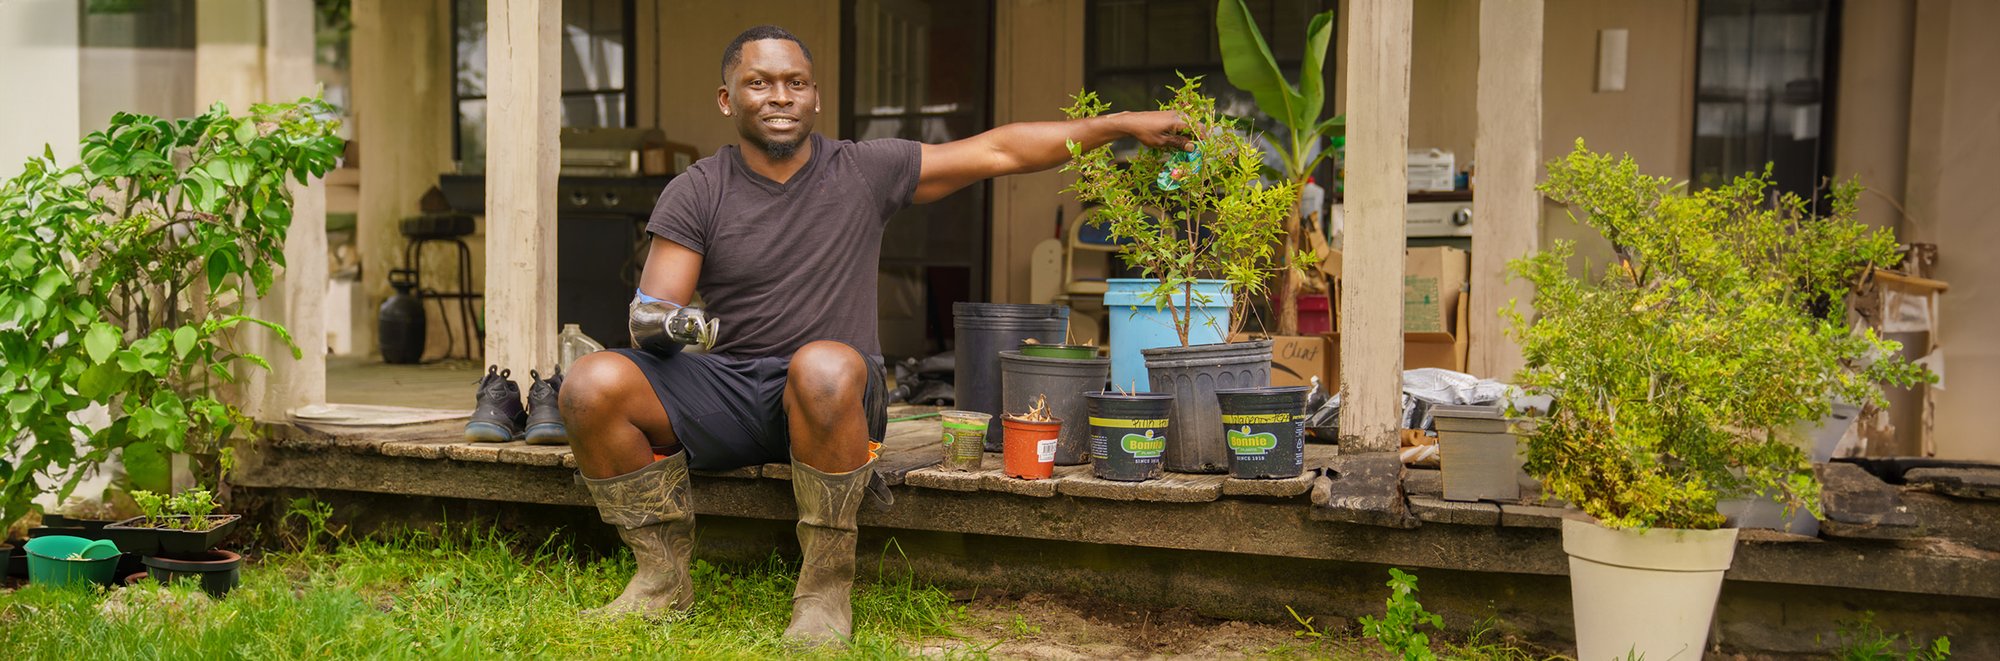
(1678, 377)
(1203, 225)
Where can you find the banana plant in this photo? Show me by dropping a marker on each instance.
(1248, 62)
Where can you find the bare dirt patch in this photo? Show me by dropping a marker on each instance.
(1056, 628)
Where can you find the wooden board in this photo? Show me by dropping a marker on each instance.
(1507, 211)
(1378, 136)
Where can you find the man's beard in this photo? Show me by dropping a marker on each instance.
(779, 150)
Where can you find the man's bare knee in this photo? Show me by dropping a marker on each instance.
(826, 372)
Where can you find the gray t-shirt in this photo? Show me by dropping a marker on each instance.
(787, 264)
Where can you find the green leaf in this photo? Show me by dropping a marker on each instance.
(218, 268)
(100, 341)
(51, 279)
(184, 338)
(1311, 83)
(149, 466)
(100, 380)
(1248, 62)
(246, 131)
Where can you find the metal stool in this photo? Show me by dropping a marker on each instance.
(447, 228)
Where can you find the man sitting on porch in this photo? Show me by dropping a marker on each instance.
(781, 233)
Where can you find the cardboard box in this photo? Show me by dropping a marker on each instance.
(668, 158)
(1295, 359)
(1445, 350)
(1433, 281)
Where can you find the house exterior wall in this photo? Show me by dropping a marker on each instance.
(38, 43)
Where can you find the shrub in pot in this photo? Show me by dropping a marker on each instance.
(1677, 377)
(1186, 218)
(122, 276)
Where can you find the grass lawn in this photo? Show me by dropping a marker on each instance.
(480, 595)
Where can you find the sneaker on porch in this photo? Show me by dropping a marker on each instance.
(545, 421)
(498, 416)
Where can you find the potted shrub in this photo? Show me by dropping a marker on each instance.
(1251, 67)
(1205, 227)
(1677, 378)
(122, 276)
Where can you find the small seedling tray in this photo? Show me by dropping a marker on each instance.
(133, 536)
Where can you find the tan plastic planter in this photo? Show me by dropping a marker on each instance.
(1650, 594)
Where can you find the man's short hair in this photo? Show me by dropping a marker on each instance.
(734, 53)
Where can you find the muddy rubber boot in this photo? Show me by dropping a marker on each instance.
(823, 607)
(650, 507)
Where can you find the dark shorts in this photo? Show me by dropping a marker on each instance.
(730, 412)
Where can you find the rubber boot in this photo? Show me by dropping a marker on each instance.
(823, 607)
(651, 510)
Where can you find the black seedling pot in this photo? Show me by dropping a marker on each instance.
(216, 571)
(134, 536)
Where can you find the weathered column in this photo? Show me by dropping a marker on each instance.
(523, 79)
(298, 298)
(1378, 137)
(1507, 210)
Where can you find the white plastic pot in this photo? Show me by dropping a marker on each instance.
(1646, 594)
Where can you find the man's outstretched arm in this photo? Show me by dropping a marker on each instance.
(1035, 146)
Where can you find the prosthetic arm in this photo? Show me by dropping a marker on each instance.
(661, 327)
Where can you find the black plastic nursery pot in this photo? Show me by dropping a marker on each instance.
(980, 332)
(1192, 375)
(1063, 381)
(7, 561)
(216, 571)
(133, 536)
(1128, 434)
(1265, 429)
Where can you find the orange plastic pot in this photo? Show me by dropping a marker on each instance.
(1029, 447)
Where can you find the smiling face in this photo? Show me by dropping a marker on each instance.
(771, 96)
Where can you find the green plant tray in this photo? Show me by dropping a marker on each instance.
(1065, 351)
(133, 537)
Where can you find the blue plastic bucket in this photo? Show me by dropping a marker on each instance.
(1137, 325)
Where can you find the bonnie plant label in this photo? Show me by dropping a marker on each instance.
(1143, 442)
(1045, 451)
(1143, 446)
(1245, 433)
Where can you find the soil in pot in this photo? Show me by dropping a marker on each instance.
(1265, 429)
(1030, 446)
(1192, 375)
(964, 439)
(1063, 382)
(216, 571)
(1128, 434)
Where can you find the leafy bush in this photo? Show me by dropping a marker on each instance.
(122, 277)
(1678, 374)
(1187, 216)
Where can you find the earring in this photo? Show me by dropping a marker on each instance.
(725, 113)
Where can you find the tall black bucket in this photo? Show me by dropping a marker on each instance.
(981, 332)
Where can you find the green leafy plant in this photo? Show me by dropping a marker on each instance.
(196, 505)
(152, 506)
(1397, 630)
(122, 277)
(1678, 374)
(1185, 216)
(1861, 639)
(1251, 67)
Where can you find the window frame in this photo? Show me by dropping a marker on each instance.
(628, 87)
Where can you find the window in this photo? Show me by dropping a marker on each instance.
(597, 69)
(922, 70)
(1761, 92)
(1135, 48)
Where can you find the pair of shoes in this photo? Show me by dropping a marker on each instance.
(499, 416)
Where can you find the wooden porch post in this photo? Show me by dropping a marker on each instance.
(523, 79)
(1378, 137)
(1507, 209)
(298, 298)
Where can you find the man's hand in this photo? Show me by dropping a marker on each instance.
(1156, 128)
(1036, 146)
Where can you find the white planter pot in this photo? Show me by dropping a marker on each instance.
(1647, 593)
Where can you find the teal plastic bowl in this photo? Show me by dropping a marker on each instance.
(61, 560)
